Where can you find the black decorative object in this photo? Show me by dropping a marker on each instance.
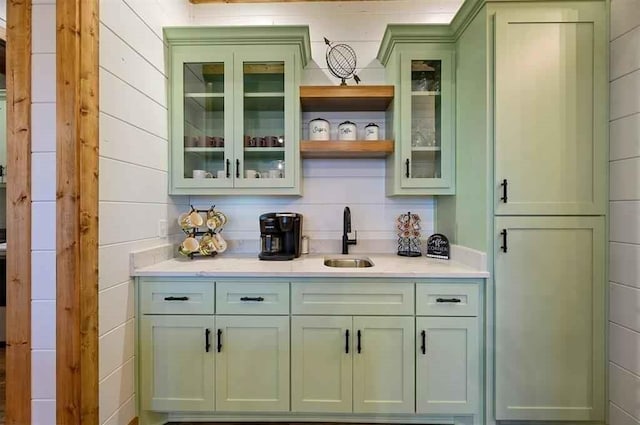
(438, 246)
(409, 235)
(341, 60)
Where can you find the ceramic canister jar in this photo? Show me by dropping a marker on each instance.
(347, 131)
(318, 129)
(371, 131)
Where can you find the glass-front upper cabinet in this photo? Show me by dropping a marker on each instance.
(266, 158)
(204, 123)
(234, 110)
(423, 114)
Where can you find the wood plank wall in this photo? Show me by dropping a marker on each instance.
(77, 212)
(18, 382)
(624, 235)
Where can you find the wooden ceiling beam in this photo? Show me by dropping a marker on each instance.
(261, 1)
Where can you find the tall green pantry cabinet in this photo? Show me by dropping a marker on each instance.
(532, 192)
(235, 109)
(550, 201)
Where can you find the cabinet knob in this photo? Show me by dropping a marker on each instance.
(207, 342)
(407, 170)
(219, 340)
(346, 344)
(359, 348)
(423, 347)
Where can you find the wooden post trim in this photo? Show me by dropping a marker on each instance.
(77, 212)
(18, 374)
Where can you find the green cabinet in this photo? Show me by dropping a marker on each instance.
(549, 286)
(447, 365)
(551, 110)
(252, 364)
(549, 196)
(423, 112)
(234, 109)
(321, 364)
(353, 364)
(177, 363)
(383, 365)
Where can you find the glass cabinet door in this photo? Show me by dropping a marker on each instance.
(427, 139)
(264, 120)
(201, 138)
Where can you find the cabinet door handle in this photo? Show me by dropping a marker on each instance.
(359, 342)
(504, 184)
(407, 170)
(228, 168)
(423, 347)
(448, 300)
(176, 298)
(237, 168)
(207, 342)
(219, 340)
(346, 344)
(504, 240)
(252, 299)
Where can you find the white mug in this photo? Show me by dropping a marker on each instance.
(222, 174)
(202, 174)
(275, 174)
(251, 174)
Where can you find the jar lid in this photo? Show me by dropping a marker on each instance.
(371, 124)
(347, 122)
(318, 119)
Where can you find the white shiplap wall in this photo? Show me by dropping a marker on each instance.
(133, 177)
(329, 185)
(43, 222)
(624, 267)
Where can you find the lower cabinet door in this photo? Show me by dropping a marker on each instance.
(252, 363)
(550, 304)
(383, 365)
(447, 365)
(177, 364)
(321, 364)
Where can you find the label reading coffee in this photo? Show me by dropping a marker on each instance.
(438, 246)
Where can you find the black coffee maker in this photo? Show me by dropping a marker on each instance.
(280, 236)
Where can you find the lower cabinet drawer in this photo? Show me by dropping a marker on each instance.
(447, 299)
(177, 297)
(252, 298)
(380, 299)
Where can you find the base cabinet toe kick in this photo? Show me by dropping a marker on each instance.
(337, 350)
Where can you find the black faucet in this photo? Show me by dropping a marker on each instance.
(346, 229)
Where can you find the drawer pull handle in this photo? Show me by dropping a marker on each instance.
(448, 300)
(252, 299)
(219, 340)
(176, 298)
(423, 347)
(346, 337)
(207, 342)
(359, 342)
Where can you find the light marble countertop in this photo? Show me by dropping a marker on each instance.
(385, 266)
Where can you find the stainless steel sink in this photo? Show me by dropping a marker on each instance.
(348, 262)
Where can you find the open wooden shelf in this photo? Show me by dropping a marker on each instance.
(346, 148)
(345, 98)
